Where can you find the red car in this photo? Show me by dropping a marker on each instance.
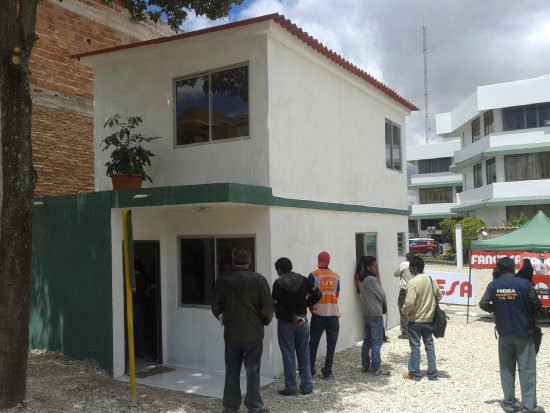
(426, 246)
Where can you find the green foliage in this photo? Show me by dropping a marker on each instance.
(514, 221)
(447, 227)
(175, 11)
(128, 156)
(470, 226)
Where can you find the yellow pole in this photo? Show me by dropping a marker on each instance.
(126, 215)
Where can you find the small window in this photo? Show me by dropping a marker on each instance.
(476, 130)
(488, 122)
(202, 260)
(401, 244)
(393, 146)
(212, 106)
(478, 178)
(365, 244)
(491, 171)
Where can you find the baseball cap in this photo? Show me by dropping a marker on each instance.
(323, 259)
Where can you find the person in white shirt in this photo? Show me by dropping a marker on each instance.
(404, 277)
(539, 266)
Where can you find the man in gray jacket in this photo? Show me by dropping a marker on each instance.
(372, 297)
(243, 303)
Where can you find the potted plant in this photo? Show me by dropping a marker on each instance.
(128, 158)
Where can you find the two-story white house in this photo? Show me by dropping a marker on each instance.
(269, 140)
(436, 188)
(505, 153)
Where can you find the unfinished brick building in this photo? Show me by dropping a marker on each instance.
(62, 88)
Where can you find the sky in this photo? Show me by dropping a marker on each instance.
(470, 43)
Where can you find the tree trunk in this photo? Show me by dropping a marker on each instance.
(17, 36)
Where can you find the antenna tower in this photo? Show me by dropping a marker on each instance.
(426, 116)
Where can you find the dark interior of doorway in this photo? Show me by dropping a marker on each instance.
(146, 304)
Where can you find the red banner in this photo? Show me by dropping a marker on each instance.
(488, 259)
(542, 285)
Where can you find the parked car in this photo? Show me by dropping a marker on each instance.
(426, 246)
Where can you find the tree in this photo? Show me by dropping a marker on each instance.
(447, 227)
(470, 226)
(17, 38)
(514, 221)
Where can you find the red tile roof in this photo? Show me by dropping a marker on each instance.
(292, 29)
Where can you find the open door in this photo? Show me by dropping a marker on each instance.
(147, 303)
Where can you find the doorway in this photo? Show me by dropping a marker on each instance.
(147, 304)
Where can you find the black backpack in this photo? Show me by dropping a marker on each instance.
(440, 318)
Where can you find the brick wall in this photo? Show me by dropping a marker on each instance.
(63, 151)
(62, 128)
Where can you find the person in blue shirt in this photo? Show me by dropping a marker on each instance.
(514, 303)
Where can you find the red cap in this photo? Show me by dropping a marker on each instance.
(323, 259)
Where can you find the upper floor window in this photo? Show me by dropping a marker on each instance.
(212, 106)
(527, 166)
(524, 117)
(476, 130)
(488, 122)
(393, 146)
(491, 170)
(426, 166)
(478, 177)
(436, 195)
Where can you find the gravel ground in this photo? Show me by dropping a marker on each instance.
(467, 361)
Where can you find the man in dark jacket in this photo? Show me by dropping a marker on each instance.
(290, 292)
(243, 304)
(514, 302)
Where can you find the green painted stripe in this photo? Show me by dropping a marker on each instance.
(232, 193)
(432, 216)
(518, 149)
(436, 185)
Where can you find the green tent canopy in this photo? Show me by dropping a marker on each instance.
(533, 236)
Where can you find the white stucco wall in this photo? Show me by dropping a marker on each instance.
(191, 336)
(326, 127)
(301, 234)
(141, 82)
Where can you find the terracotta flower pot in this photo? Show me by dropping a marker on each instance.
(124, 181)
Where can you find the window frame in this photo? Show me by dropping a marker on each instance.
(215, 238)
(389, 144)
(476, 130)
(478, 175)
(210, 116)
(522, 112)
(401, 248)
(488, 122)
(491, 163)
(362, 236)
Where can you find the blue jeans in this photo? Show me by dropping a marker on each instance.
(332, 327)
(293, 341)
(416, 332)
(522, 351)
(235, 353)
(374, 328)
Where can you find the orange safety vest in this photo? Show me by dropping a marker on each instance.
(327, 281)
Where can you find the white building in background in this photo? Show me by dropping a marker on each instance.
(436, 188)
(269, 140)
(505, 153)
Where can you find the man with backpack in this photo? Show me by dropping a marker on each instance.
(514, 303)
(419, 308)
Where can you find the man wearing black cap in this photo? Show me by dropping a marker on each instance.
(290, 295)
(325, 314)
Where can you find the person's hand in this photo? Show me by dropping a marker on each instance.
(300, 321)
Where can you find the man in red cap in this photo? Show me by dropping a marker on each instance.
(325, 313)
